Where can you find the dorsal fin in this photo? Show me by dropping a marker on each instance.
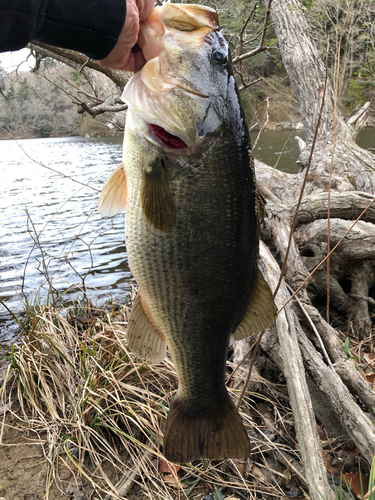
(144, 337)
(261, 311)
(113, 197)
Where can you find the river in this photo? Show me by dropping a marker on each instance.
(75, 240)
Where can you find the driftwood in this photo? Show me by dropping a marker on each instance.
(358, 245)
(300, 400)
(325, 388)
(346, 205)
(326, 379)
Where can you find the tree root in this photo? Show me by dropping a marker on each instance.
(318, 385)
(308, 439)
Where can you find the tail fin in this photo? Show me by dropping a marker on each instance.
(191, 436)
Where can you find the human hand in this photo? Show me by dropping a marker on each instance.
(126, 54)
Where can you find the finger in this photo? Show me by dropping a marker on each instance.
(145, 8)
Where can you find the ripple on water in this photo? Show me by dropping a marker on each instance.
(64, 215)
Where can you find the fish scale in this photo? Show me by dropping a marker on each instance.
(182, 268)
(191, 228)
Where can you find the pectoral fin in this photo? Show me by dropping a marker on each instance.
(144, 338)
(157, 203)
(261, 311)
(113, 197)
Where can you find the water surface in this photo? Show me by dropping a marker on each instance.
(281, 148)
(75, 239)
(63, 214)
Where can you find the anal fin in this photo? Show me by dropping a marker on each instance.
(144, 338)
(114, 193)
(261, 311)
(192, 436)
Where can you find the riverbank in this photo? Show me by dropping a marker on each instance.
(83, 418)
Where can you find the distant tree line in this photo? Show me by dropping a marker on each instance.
(42, 103)
(30, 105)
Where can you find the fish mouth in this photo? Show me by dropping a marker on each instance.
(167, 139)
(191, 89)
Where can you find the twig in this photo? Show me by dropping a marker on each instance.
(261, 47)
(55, 84)
(124, 485)
(80, 91)
(256, 347)
(264, 123)
(247, 85)
(267, 82)
(84, 65)
(75, 128)
(252, 53)
(242, 30)
(312, 326)
(268, 13)
(37, 243)
(291, 462)
(278, 158)
(240, 363)
(14, 316)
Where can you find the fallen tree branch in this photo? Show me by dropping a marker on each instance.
(78, 61)
(357, 424)
(346, 205)
(313, 327)
(112, 105)
(308, 439)
(326, 381)
(357, 245)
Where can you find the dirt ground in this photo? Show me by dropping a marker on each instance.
(25, 472)
(24, 468)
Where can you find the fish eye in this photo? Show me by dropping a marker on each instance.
(218, 56)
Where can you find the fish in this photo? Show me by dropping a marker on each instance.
(188, 189)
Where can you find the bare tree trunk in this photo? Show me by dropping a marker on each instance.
(306, 70)
(353, 168)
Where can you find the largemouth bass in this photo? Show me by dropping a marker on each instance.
(191, 228)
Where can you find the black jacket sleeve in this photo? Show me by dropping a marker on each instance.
(88, 26)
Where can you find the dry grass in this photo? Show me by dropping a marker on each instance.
(100, 412)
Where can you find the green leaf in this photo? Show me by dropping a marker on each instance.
(371, 481)
(218, 494)
(164, 409)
